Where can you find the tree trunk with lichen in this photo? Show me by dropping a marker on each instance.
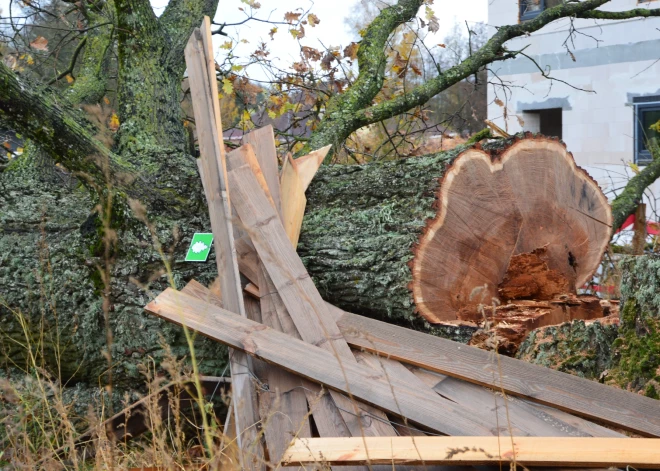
(360, 225)
(626, 355)
(636, 352)
(57, 308)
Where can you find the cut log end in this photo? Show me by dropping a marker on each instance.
(526, 223)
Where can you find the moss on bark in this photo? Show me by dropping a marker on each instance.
(359, 229)
(49, 276)
(574, 347)
(637, 350)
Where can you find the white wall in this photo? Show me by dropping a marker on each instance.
(598, 127)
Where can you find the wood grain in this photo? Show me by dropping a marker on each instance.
(570, 393)
(303, 303)
(309, 164)
(209, 129)
(315, 363)
(493, 206)
(293, 200)
(525, 418)
(263, 142)
(526, 451)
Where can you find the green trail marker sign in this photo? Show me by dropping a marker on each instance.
(200, 247)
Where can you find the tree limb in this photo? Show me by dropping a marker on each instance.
(627, 201)
(346, 116)
(72, 64)
(178, 21)
(492, 51)
(40, 115)
(371, 71)
(620, 15)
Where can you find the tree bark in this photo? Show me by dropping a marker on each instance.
(419, 237)
(636, 361)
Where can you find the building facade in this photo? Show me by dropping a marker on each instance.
(607, 89)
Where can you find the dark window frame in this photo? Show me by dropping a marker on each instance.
(524, 16)
(643, 103)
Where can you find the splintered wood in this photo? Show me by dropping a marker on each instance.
(338, 389)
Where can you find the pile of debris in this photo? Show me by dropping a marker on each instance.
(335, 381)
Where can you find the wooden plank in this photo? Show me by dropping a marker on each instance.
(570, 393)
(248, 261)
(283, 405)
(293, 200)
(263, 142)
(206, 108)
(252, 290)
(309, 164)
(327, 416)
(524, 418)
(526, 451)
(315, 363)
(293, 284)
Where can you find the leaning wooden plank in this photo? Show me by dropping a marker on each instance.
(293, 200)
(309, 164)
(207, 118)
(297, 291)
(524, 417)
(525, 451)
(332, 415)
(570, 393)
(315, 363)
(263, 142)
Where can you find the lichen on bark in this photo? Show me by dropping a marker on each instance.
(360, 225)
(49, 275)
(579, 348)
(637, 349)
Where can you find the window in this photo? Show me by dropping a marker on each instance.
(531, 8)
(548, 122)
(647, 114)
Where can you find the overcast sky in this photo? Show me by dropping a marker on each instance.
(332, 30)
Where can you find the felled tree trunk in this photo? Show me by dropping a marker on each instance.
(433, 236)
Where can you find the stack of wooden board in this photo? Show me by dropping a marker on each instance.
(303, 369)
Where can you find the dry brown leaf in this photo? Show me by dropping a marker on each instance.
(313, 19)
(400, 65)
(311, 54)
(328, 59)
(299, 67)
(40, 44)
(291, 17)
(498, 102)
(351, 50)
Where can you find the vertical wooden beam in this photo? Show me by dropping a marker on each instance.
(203, 88)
